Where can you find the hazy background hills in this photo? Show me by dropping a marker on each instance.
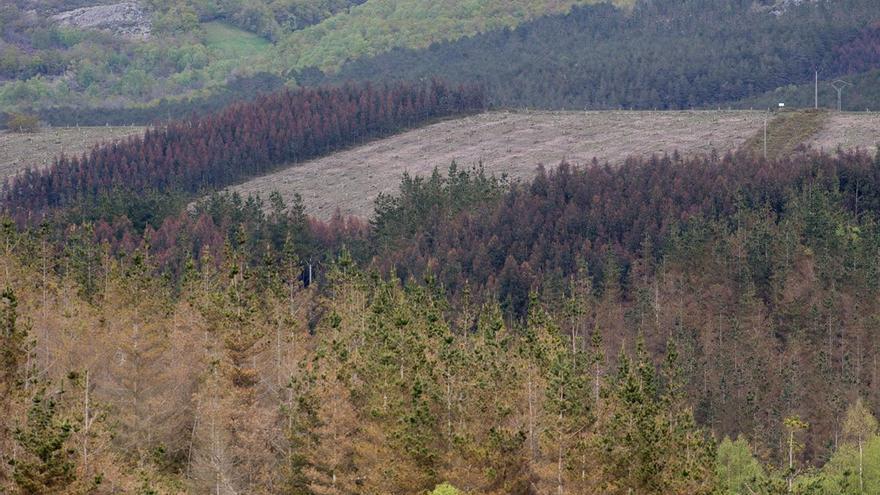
(155, 59)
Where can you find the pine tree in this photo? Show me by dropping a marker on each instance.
(14, 348)
(46, 464)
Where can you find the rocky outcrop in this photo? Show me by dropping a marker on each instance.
(779, 7)
(126, 19)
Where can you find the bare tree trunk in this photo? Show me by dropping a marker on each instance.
(86, 426)
(790, 459)
(861, 469)
(531, 417)
(559, 489)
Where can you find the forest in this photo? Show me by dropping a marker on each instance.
(242, 140)
(205, 54)
(665, 54)
(670, 325)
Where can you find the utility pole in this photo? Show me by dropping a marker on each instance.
(765, 133)
(816, 104)
(839, 85)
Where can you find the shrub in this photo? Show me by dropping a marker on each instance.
(23, 123)
(445, 489)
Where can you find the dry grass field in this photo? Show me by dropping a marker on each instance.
(18, 151)
(515, 143)
(848, 131)
(512, 143)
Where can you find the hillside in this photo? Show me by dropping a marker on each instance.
(849, 131)
(512, 143)
(18, 151)
(380, 25)
(515, 143)
(81, 53)
(661, 55)
(571, 54)
(475, 334)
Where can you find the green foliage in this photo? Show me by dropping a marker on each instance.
(737, 470)
(46, 465)
(855, 467)
(380, 25)
(23, 123)
(445, 489)
(649, 442)
(231, 43)
(421, 202)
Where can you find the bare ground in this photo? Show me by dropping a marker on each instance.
(512, 143)
(849, 131)
(18, 151)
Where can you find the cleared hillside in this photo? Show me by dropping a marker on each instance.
(512, 143)
(849, 131)
(515, 143)
(18, 151)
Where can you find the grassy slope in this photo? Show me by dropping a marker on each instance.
(788, 130)
(379, 25)
(230, 43)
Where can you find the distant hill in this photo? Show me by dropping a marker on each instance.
(147, 53)
(664, 54)
(380, 25)
(548, 54)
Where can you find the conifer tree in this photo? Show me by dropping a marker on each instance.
(46, 464)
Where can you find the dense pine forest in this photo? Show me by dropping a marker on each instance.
(671, 325)
(243, 140)
(663, 54)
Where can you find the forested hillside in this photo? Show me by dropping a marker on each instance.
(380, 25)
(663, 54)
(201, 56)
(594, 330)
(244, 140)
(691, 309)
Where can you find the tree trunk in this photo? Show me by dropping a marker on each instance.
(861, 469)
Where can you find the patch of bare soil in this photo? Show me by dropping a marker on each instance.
(849, 131)
(512, 143)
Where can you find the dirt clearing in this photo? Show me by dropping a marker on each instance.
(18, 151)
(849, 131)
(513, 143)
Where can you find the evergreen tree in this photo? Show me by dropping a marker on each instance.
(46, 464)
